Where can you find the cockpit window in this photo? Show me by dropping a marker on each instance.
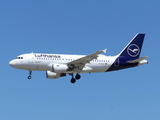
(19, 58)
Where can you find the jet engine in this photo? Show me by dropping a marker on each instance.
(58, 68)
(52, 75)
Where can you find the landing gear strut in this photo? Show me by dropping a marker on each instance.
(77, 77)
(30, 73)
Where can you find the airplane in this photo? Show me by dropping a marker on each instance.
(59, 65)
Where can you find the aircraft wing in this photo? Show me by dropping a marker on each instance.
(86, 59)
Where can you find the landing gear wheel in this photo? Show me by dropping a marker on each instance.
(77, 76)
(30, 73)
(29, 77)
(73, 80)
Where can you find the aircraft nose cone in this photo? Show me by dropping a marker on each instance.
(12, 63)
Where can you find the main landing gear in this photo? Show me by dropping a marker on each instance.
(77, 77)
(30, 73)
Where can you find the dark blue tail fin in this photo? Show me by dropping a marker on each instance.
(133, 49)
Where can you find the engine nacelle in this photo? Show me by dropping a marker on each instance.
(59, 68)
(52, 75)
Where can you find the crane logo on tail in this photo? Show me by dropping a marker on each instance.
(133, 50)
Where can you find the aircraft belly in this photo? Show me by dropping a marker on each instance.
(98, 68)
(34, 66)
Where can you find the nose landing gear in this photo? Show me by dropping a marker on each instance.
(30, 73)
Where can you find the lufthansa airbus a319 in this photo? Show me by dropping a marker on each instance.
(59, 65)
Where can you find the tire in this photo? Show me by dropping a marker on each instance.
(73, 80)
(77, 76)
(29, 77)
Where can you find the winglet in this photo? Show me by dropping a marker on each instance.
(104, 50)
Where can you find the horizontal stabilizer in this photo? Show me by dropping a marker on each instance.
(137, 60)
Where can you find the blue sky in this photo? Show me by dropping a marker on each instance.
(79, 27)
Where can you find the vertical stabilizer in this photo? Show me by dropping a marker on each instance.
(133, 49)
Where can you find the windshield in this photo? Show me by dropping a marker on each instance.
(19, 57)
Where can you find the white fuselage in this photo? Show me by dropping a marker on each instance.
(42, 62)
